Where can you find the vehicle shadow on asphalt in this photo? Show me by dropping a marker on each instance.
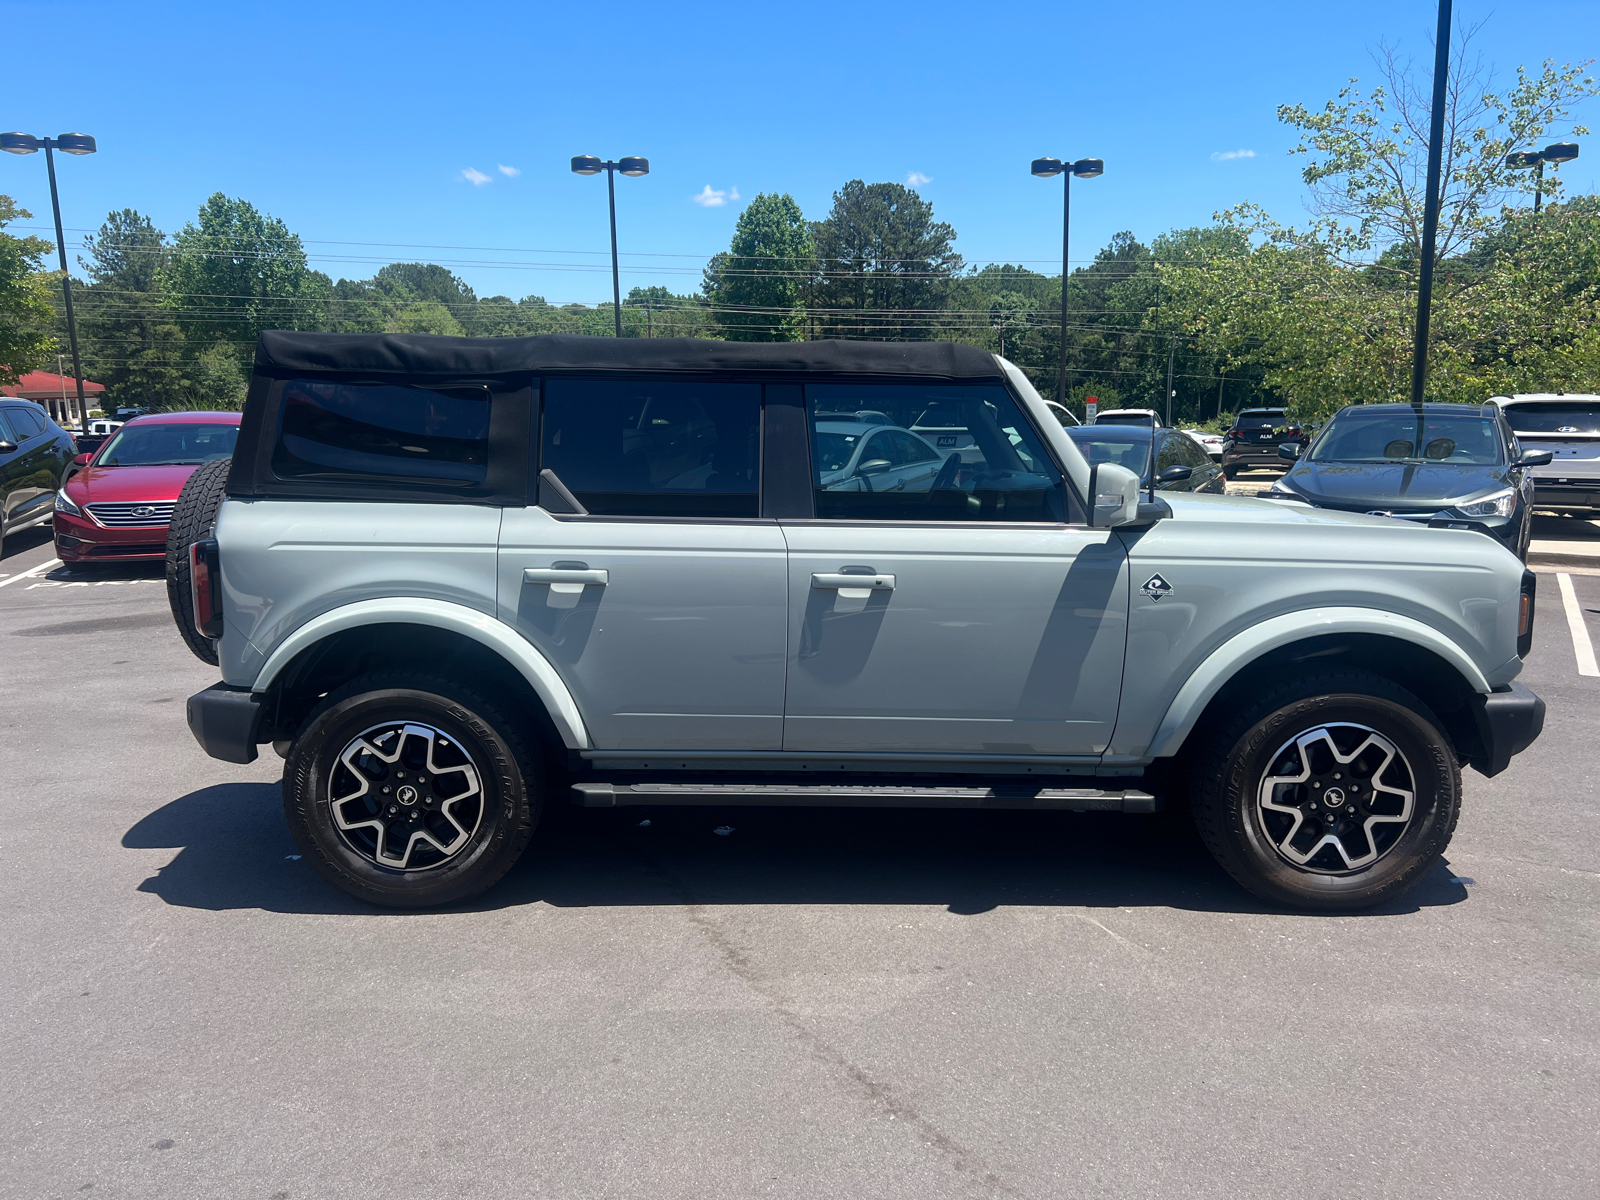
(234, 851)
(24, 540)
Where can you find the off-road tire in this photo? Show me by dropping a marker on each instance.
(194, 518)
(1226, 778)
(508, 765)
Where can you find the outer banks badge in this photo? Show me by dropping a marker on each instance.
(1156, 587)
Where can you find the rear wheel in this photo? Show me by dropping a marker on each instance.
(194, 518)
(1332, 793)
(411, 791)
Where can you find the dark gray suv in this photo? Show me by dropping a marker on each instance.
(35, 453)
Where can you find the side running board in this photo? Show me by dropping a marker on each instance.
(1000, 795)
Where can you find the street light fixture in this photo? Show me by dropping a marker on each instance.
(67, 143)
(1555, 152)
(633, 167)
(1048, 168)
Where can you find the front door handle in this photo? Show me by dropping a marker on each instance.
(878, 583)
(564, 575)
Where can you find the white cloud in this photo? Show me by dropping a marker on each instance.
(508, 172)
(733, 193)
(711, 198)
(1229, 155)
(917, 179)
(475, 178)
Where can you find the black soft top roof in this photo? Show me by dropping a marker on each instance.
(279, 353)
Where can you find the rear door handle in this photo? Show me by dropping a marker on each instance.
(878, 583)
(564, 575)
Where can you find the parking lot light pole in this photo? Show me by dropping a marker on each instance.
(1084, 168)
(633, 166)
(1430, 210)
(67, 143)
(1556, 152)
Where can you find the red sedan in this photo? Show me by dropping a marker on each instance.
(118, 506)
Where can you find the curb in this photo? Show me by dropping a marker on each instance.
(1554, 558)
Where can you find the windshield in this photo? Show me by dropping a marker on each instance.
(1565, 416)
(1461, 439)
(1126, 445)
(168, 445)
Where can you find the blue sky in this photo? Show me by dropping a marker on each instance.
(359, 124)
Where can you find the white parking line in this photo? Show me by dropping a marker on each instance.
(31, 571)
(1581, 645)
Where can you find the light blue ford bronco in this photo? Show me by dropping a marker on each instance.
(454, 580)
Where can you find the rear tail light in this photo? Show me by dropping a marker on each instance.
(1530, 585)
(205, 587)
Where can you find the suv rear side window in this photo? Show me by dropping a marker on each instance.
(931, 453)
(649, 449)
(383, 433)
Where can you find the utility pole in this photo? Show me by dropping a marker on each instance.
(1172, 350)
(1430, 212)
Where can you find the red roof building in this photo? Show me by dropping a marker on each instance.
(57, 393)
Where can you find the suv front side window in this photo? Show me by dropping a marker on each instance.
(992, 466)
(655, 449)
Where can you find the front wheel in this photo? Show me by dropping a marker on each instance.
(411, 791)
(1333, 793)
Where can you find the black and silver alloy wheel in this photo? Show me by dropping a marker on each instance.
(1333, 791)
(405, 796)
(1336, 798)
(411, 790)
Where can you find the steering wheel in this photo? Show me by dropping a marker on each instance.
(946, 478)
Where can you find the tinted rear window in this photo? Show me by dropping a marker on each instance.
(655, 449)
(383, 433)
(1562, 416)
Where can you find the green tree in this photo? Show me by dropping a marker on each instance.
(25, 310)
(1326, 313)
(130, 341)
(884, 262)
(235, 271)
(757, 287)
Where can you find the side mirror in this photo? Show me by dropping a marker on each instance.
(1290, 451)
(82, 460)
(7, 447)
(1113, 496)
(875, 466)
(1174, 474)
(1535, 458)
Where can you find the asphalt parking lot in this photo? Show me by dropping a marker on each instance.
(820, 1003)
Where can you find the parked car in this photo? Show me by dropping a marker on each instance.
(1181, 464)
(854, 456)
(1253, 441)
(1567, 425)
(1211, 443)
(34, 454)
(453, 580)
(1062, 413)
(1458, 466)
(118, 504)
(1128, 416)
